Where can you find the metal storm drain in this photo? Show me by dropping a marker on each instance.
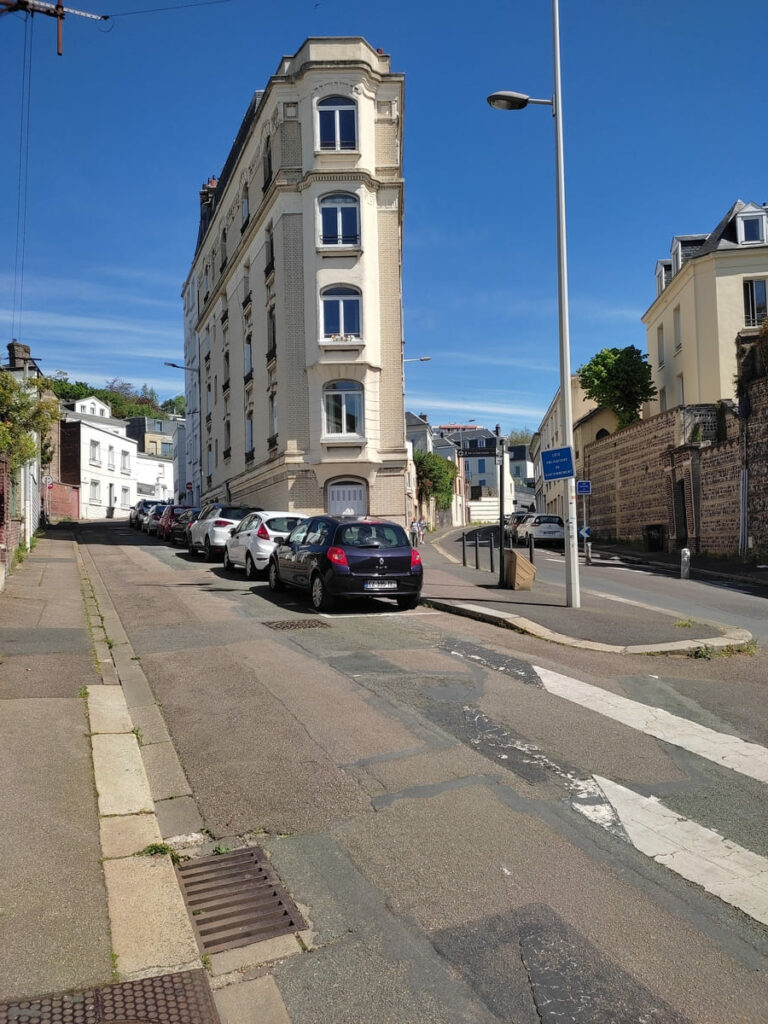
(297, 624)
(183, 998)
(235, 899)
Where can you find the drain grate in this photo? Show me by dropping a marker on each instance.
(183, 998)
(297, 624)
(235, 899)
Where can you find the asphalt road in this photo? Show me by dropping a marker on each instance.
(481, 826)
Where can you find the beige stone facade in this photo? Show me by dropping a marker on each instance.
(292, 307)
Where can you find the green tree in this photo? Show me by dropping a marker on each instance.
(175, 406)
(24, 412)
(619, 379)
(434, 478)
(521, 435)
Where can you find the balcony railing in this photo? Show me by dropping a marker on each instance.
(249, 455)
(271, 353)
(244, 225)
(224, 315)
(225, 385)
(269, 267)
(227, 454)
(247, 299)
(248, 377)
(272, 442)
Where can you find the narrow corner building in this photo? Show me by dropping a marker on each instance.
(292, 306)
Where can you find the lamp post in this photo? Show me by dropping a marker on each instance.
(195, 463)
(517, 101)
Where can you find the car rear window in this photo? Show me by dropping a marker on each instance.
(551, 519)
(232, 512)
(363, 535)
(283, 524)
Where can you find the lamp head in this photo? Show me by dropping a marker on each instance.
(505, 100)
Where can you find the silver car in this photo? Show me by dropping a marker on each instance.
(210, 531)
(253, 540)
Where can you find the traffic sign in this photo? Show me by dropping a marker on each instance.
(478, 453)
(584, 532)
(557, 463)
(190, 487)
(583, 487)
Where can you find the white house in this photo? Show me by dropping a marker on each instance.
(154, 477)
(98, 457)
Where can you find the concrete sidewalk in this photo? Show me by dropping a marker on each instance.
(612, 626)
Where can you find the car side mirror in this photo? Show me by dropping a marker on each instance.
(232, 531)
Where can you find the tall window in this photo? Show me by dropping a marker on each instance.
(343, 404)
(663, 399)
(95, 492)
(660, 343)
(208, 399)
(269, 252)
(125, 496)
(223, 246)
(110, 457)
(267, 163)
(248, 354)
(339, 220)
(272, 414)
(245, 210)
(680, 389)
(249, 432)
(96, 453)
(755, 307)
(125, 462)
(677, 328)
(337, 117)
(341, 312)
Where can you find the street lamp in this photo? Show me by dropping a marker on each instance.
(418, 359)
(517, 101)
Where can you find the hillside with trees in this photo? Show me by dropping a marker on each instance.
(124, 398)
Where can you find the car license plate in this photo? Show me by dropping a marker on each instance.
(380, 585)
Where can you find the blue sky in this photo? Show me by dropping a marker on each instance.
(664, 110)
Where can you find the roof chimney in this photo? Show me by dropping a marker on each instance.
(18, 355)
(423, 416)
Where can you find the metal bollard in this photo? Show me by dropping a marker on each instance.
(588, 553)
(493, 569)
(477, 549)
(530, 549)
(685, 564)
(464, 550)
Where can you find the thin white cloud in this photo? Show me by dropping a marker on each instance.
(59, 326)
(514, 362)
(450, 405)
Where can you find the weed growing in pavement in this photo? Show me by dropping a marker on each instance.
(110, 643)
(220, 849)
(205, 960)
(684, 623)
(707, 651)
(115, 972)
(161, 850)
(136, 730)
(83, 692)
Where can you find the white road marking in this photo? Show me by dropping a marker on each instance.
(729, 751)
(733, 874)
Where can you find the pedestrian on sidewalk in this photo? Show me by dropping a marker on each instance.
(422, 529)
(414, 532)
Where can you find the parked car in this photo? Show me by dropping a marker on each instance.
(152, 518)
(137, 513)
(338, 556)
(545, 529)
(252, 541)
(169, 516)
(517, 529)
(511, 524)
(210, 530)
(180, 527)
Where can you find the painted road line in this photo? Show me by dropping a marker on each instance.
(729, 751)
(728, 871)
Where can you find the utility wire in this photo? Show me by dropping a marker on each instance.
(175, 7)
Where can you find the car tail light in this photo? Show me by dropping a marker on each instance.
(222, 522)
(338, 556)
(263, 532)
(415, 557)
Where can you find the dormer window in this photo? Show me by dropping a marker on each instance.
(677, 257)
(751, 228)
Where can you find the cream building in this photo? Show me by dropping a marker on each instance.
(710, 291)
(292, 307)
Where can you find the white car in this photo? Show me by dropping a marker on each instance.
(210, 531)
(253, 540)
(546, 529)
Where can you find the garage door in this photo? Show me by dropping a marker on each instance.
(349, 494)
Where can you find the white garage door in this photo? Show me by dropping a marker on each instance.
(346, 495)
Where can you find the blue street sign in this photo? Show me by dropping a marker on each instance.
(583, 487)
(557, 463)
(584, 532)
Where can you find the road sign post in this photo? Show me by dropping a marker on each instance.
(584, 487)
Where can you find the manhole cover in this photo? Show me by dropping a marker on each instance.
(183, 998)
(235, 899)
(297, 624)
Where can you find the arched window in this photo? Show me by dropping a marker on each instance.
(339, 220)
(343, 408)
(337, 123)
(601, 434)
(341, 312)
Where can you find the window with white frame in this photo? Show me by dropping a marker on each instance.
(110, 457)
(125, 462)
(271, 333)
(266, 163)
(343, 407)
(95, 453)
(755, 305)
(676, 328)
(248, 355)
(209, 461)
(272, 414)
(341, 312)
(660, 343)
(337, 123)
(249, 432)
(95, 492)
(93, 409)
(680, 389)
(663, 399)
(339, 220)
(751, 228)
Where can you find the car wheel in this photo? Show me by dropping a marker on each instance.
(250, 569)
(275, 583)
(408, 601)
(208, 551)
(322, 601)
(191, 547)
(227, 563)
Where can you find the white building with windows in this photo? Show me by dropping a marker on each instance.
(98, 457)
(154, 477)
(710, 291)
(292, 307)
